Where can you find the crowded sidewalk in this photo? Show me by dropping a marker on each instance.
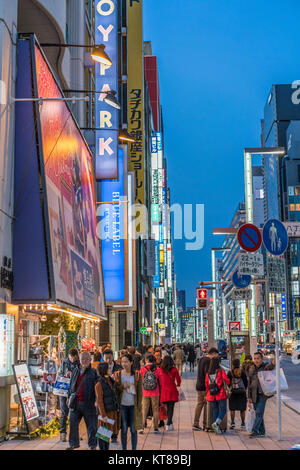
(184, 438)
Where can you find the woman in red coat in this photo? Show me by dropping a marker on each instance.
(169, 380)
(214, 383)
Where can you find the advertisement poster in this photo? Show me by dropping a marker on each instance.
(71, 201)
(26, 393)
(7, 338)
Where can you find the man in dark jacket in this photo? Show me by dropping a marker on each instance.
(113, 366)
(65, 370)
(201, 389)
(256, 395)
(83, 381)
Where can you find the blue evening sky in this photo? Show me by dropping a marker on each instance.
(217, 61)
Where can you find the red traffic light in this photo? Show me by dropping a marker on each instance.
(202, 294)
(266, 321)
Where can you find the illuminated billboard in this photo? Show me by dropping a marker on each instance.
(114, 234)
(106, 79)
(56, 248)
(136, 103)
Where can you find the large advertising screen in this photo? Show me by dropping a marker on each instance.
(70, 199)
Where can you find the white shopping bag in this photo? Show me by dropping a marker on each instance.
(267, 380)
(250, 418)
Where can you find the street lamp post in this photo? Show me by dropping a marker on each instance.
(248, 153)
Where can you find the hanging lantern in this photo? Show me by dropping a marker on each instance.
(44, 318)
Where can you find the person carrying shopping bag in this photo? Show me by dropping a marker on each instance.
(216, 394)
(170, 382)
(129, 385)
(256, 396)
(107, 402)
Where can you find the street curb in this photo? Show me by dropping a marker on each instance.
(291, 407)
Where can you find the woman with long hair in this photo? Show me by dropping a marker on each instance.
(216, 394)
(170, 382)
(238, 397)
(107, 401)
(129, 384)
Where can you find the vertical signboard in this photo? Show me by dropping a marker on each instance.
(7, 330)
(106, 79)
(136, 101)
(114, 235)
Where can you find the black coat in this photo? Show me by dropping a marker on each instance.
(202, 371)
(90, 379)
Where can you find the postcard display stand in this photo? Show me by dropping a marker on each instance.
(43, 372)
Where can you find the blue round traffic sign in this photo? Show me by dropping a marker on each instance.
(249, 237)
(240, 281)
(275, 237)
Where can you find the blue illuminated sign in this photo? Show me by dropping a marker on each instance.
(156, 277)
(106, 79)
(283, 306)
(112, 234)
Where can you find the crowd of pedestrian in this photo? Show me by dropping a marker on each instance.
(121, 391)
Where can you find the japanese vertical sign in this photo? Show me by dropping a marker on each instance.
(106, 78)
(136, 101)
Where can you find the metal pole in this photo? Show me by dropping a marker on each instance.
(278, 372)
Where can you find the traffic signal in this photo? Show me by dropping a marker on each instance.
(266, 322)
(201, 298)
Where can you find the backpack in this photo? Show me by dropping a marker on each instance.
(150, 380)
(237, 386)
(213, 387)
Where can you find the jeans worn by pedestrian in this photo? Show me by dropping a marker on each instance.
(219, 409)
(90, 419)
(127, 414)
(64, 409)
(259, 406)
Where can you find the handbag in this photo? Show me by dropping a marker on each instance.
(227, 388)
(181, 395)
(162, 412)
(73, 397)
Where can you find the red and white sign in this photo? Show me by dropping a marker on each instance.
(249, 237)
(234, 326)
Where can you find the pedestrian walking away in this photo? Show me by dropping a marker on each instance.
(216, 394)
(129, 385)
(107, 401)
(66, 369)
(256, 396)
(191, 358)
(170, 381)
(81, 402)
(238, 397)
(179, 358)
(150, 379)
(201, 389)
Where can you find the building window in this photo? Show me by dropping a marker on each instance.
(292, 207)
(291, 190)
(259, 194)
(297, 190)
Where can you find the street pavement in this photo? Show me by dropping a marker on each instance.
(184, 438)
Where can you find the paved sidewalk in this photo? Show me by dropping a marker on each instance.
(184, 438)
